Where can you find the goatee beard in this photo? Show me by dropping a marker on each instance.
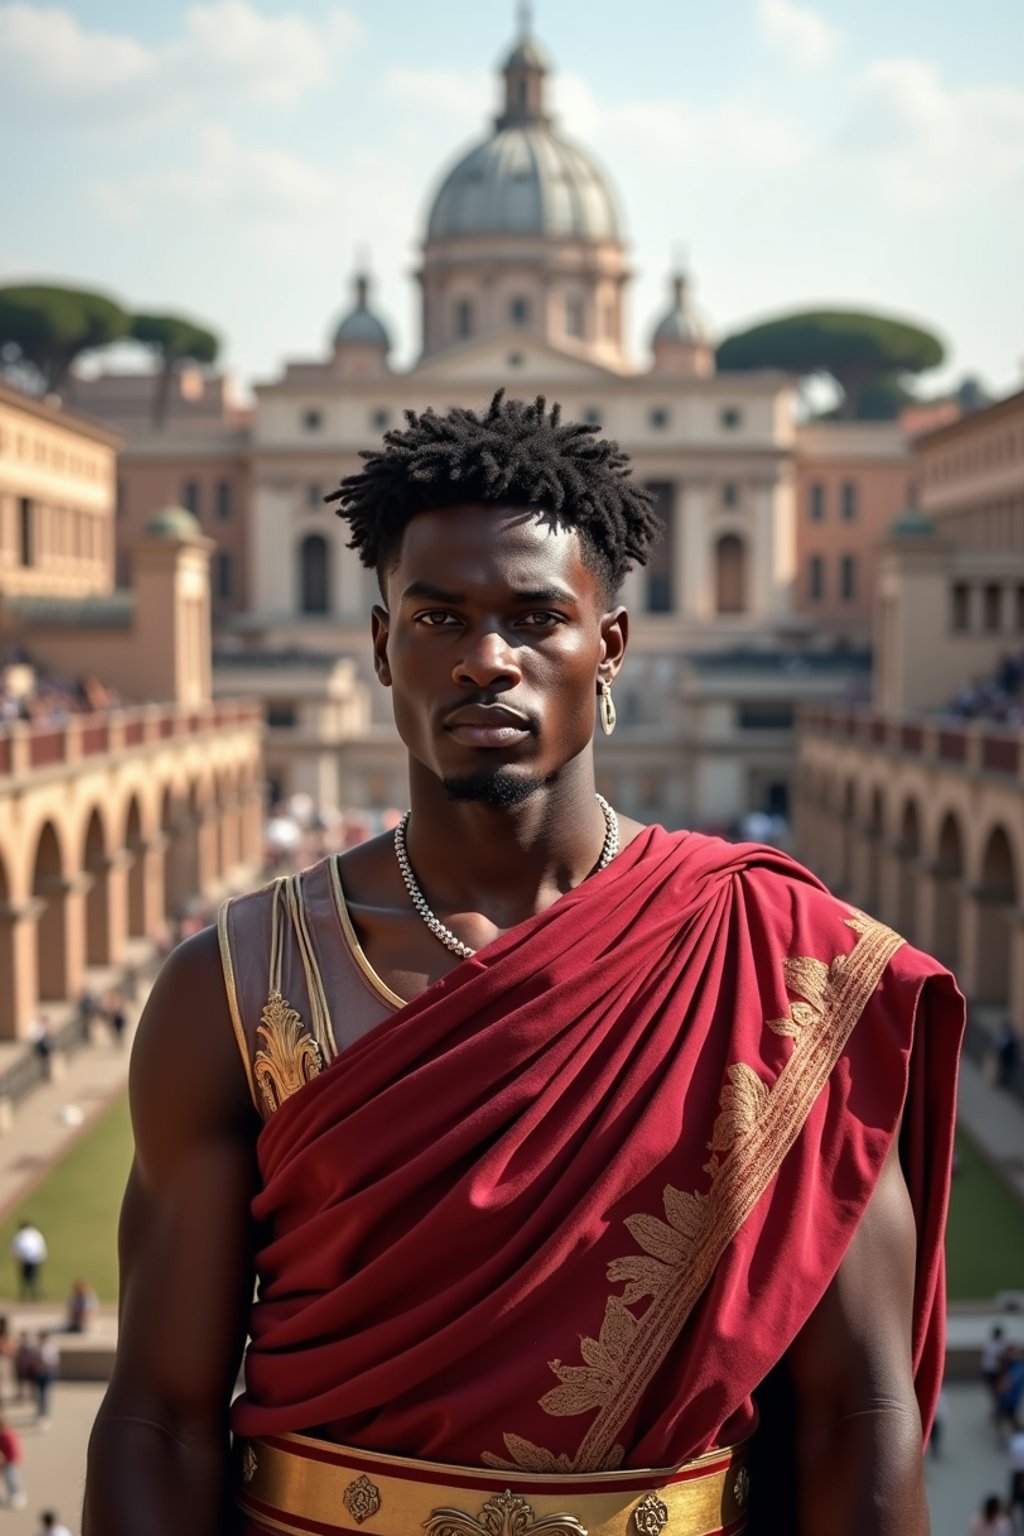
(498, 787)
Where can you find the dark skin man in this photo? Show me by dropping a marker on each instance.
(495, 635)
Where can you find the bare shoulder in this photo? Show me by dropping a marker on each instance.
(369, 872)
(186, 1067)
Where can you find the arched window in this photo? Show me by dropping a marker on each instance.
(730, 574)
(314, 586)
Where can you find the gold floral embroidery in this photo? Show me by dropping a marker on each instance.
(756, 1126)
(507, 1514)
(362, 1499)
(289, 1056)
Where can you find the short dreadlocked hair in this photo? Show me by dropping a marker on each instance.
(516, 454)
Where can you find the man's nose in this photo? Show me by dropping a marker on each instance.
(486, 659)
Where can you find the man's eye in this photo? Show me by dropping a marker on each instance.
(542, 617)
(436, 618)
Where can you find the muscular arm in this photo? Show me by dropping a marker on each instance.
(158, 1452)
(859, 1454)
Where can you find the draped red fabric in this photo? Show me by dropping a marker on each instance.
(472, 1213)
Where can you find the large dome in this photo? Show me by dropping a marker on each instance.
(525, 179)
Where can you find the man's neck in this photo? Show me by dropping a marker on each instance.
(507, 861)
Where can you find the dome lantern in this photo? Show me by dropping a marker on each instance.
(524, 71)
(361, 340)
(682, 338)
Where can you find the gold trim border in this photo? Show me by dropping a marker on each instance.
(230, 987)
(380, 987)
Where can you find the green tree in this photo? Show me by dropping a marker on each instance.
(43, 329)
(858, 350)
(174, 339)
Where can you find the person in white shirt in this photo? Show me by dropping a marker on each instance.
(1015, 1458)
(50, 1525)
(991, 1519)
(29, 1250)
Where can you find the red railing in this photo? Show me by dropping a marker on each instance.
(953, 746)
(911, 738)
(43, 746)
(1000, 754)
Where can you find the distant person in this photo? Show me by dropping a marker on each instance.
(993, 1359)
(117, 1019)
(991, 1519)
(1015, 1459)
(41, 1035)
(24, 1367)
(7, 1350)
(1007, 1052)
(1009, 1391)
(46, 1372)
(50, 1525)
(28, 1247)
(82, 1305)
(10, 1465)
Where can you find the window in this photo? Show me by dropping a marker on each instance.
(312, 420)
(961, 614)
(848, 501)
(27, 551)
(1019, 616)
(592, 416)
(515, 359)
(768, 715)
(223, 500)
(993, 608)
(381, 419)
(281, 717)
(848, 578)
(519, 310)
(314, 496)
(190, 497)
(313, 574)
(730, 417)
(730, 494)
(574, 316)
(816, 502)
(816, 578)
(730, 574)
(222, 575)
(608, 326)
(463, 319)
(658, 418)
(660, 569)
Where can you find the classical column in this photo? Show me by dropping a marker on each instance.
(693, 559)
(18, 966)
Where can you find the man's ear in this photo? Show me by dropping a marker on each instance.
(614, 639)
(380, 619)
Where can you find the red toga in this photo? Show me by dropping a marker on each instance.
(567, 1209)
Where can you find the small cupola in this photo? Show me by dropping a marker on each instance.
(682, 338)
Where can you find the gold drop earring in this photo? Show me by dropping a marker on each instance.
(607, 708)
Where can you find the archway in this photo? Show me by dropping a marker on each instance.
(730, 574)
(96, 861)
(908, 857)
(847, 832)
(314, 574)
(8, 990)
(875, 834)
(49, 885)
(949, 876)
(134, 843)
(997, 902)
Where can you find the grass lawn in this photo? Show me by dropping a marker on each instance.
(76, 1209)
(985, 1240)
(77, 1204)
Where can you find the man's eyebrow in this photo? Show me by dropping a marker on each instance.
(521, 595)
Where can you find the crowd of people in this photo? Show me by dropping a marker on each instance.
(29, 691)
(1002, 1371)
(998, 698)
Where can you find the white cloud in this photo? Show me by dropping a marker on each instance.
(933, 143)
(464, 97)
(51, 66)
(799, 33)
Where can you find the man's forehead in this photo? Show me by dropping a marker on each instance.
(488, 538)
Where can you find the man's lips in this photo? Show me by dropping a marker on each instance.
(487, 725)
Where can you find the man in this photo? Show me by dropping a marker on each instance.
(10, 1466)
(28, 1248)
(50, 1525)
(578, 1137)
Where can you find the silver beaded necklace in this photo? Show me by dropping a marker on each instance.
(608, 851)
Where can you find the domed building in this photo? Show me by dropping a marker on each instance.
(524, 233)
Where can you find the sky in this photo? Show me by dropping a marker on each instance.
(234, 159)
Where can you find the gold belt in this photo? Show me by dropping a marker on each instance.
(305, 1487)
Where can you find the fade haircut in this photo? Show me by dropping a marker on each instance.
(515, 454)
